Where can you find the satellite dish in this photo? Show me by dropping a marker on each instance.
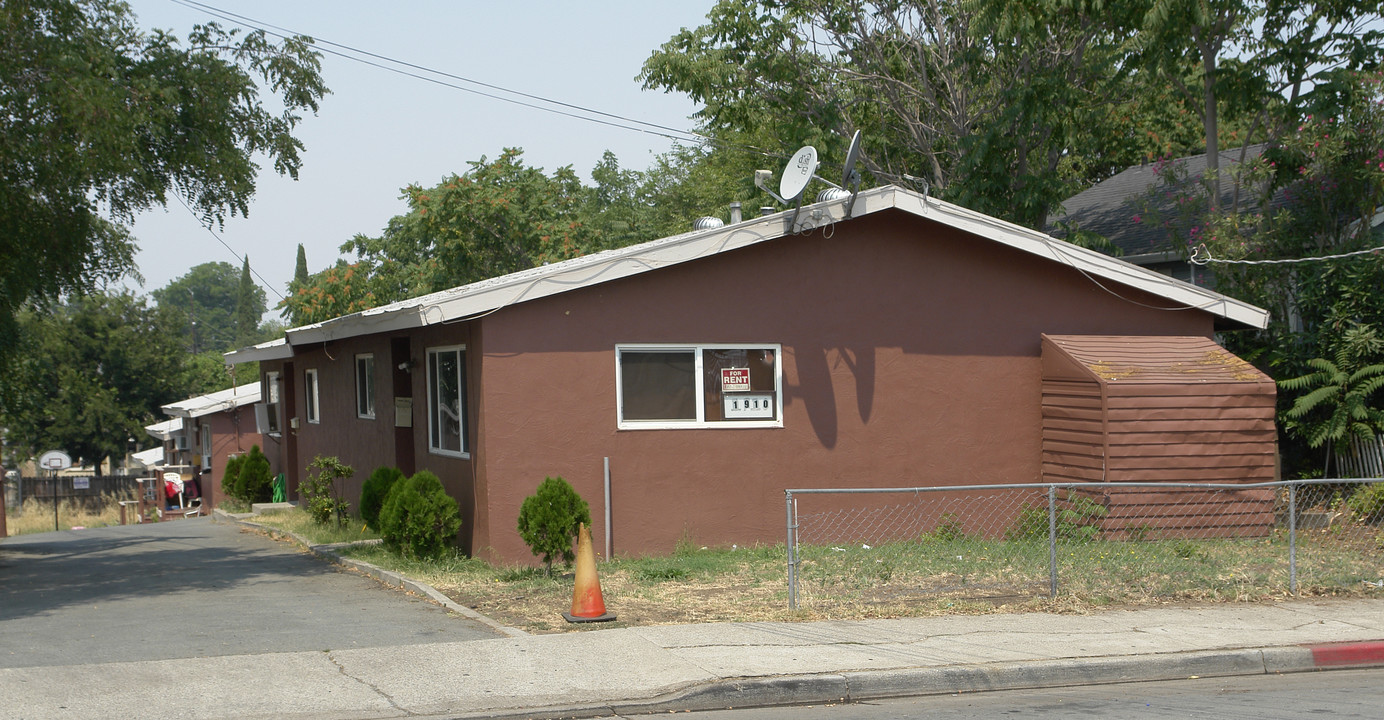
(797, 173)
(850, 177)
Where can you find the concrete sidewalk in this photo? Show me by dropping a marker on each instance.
(657, 669)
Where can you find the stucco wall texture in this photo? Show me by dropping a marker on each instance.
(910, 357)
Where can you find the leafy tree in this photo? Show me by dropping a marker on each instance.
(549, 519)
(499, 217)
(99, 120)
(1335, 403)
(931, 84)
(87, 375)
(1268, 62)
(205, 298)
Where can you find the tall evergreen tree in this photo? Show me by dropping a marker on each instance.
(247, 310)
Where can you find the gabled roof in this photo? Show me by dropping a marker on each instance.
(1109, 208)
(228, 399)
(486, 296)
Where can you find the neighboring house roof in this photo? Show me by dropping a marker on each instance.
(165, 430)
(228, 399)
(1109, 208)
(152, 457)
(1124, 359)
(486, 296)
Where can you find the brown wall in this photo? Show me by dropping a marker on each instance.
(910, 357)
(367, 444)
(232, 433)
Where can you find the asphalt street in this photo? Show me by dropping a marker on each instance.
(194, 588)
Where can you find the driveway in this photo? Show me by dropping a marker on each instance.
(193, 588)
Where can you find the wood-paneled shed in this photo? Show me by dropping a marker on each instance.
(1123, 409)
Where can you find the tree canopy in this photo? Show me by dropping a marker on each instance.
(209, 301)
(100, 120)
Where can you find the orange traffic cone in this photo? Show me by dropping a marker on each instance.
(587, 604)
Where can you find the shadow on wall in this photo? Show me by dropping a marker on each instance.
(814, 370)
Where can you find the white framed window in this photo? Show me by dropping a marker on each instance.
(704, 385)
(205, 432)
(365, 386)
(447, 401)
(310, 406)
(267, 412)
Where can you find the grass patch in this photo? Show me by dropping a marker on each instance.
(942, 573)
(298, 521)
(36, 516)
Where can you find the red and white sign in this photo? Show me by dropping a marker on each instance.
(735, 379)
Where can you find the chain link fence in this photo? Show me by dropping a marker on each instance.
(1116, 542)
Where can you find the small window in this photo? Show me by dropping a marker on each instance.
(310, 395)
(206, 445)
(365, 386)
(699, 386)
(447, 400)
(271, 404)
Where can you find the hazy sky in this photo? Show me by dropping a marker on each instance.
(379, 131)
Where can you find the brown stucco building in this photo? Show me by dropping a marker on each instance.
(900, 347)
(205, 432)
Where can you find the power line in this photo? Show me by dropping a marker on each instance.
(207, 226)
(343, 51)
(1202, 256)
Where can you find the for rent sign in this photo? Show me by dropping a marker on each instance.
(735, 379)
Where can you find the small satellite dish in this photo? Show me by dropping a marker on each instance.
(850, 177)
(797, 173)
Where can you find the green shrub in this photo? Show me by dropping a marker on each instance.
(548, 520)
(1074, 516)
(419, 519)
(253, 484)
(374, 492)
(1367, 502)
(321, 495)
(231, 476)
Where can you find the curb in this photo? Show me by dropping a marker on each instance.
(918, 682)
(384, 577)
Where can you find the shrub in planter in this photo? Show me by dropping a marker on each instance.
(419, 519)
(374, 493)
(548, 520)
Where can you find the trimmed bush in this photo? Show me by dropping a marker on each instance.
(548, 520)
(231, 476)
(374, 493)
(419, 519)
(253, 483)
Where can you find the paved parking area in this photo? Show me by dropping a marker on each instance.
(194, 588)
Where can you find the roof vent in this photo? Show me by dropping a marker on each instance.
(734, 213)
(833, 194)
(706, 222)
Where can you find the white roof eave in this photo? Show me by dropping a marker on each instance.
(272, 350)
(497, 293)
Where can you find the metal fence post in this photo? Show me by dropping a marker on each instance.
(1052, 540)
(792, 526)
(1292, 538)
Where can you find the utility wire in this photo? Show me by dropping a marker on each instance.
(344, 51)
(206, 225)
(1202, 256)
